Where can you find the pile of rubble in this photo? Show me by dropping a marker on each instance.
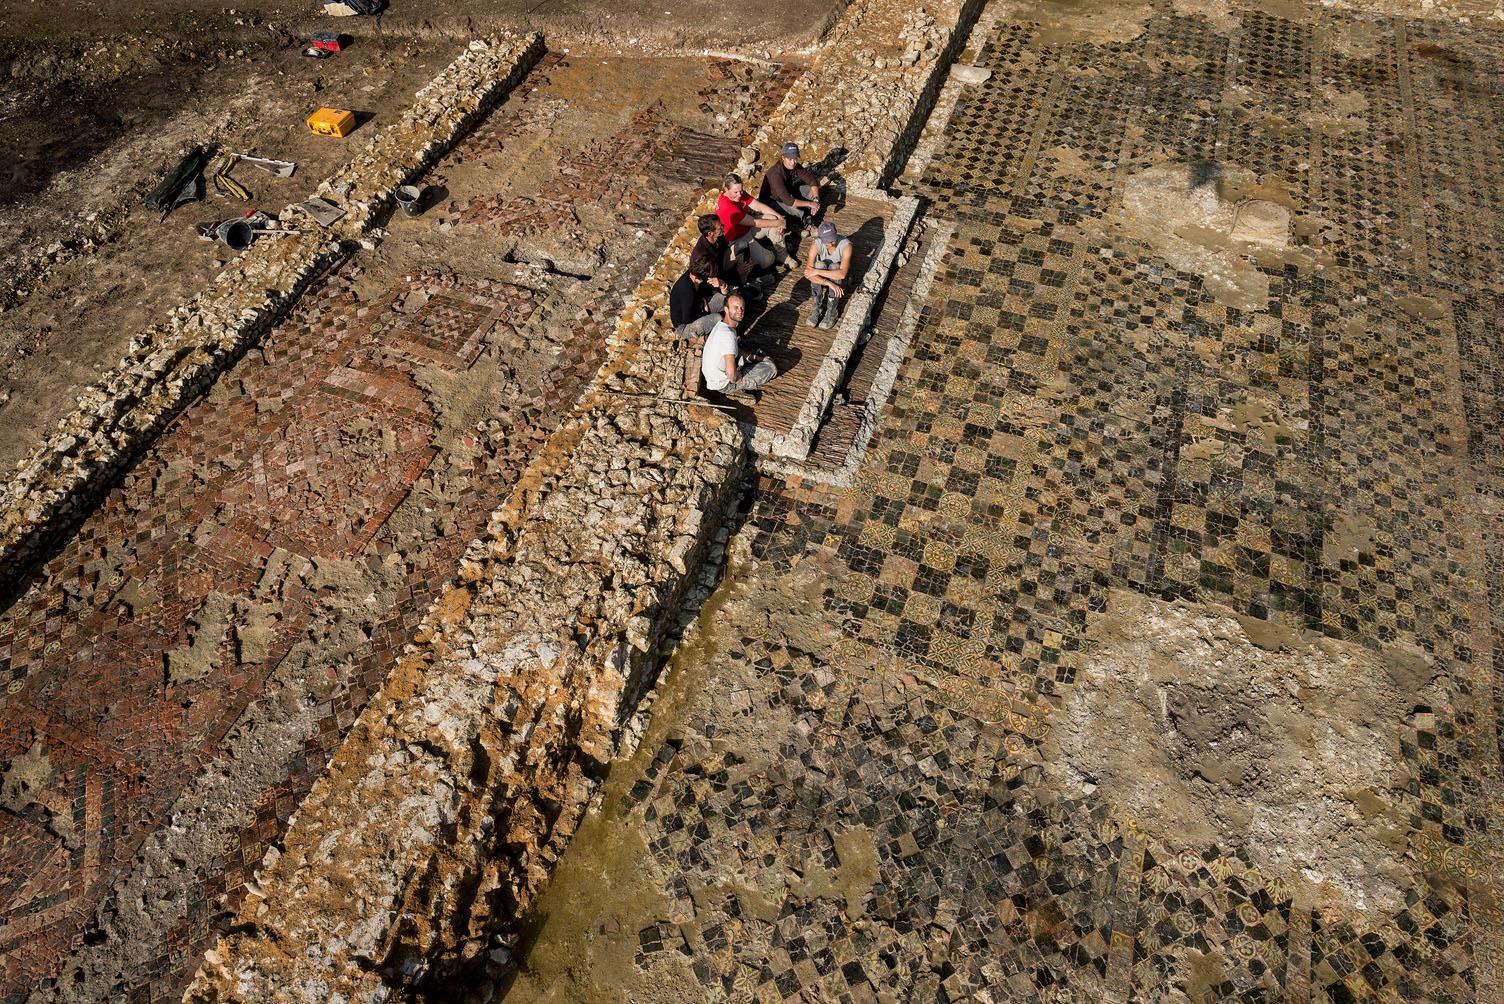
(445, 807)
(870, 90)
(170, 364)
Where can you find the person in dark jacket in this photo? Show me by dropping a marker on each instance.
(792, 188)
(696, 301)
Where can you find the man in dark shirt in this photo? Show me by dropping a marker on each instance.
(711, 249)
(695, 303)
(792, 187)
(721, 268)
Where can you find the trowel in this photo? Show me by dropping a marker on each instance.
(322, 210)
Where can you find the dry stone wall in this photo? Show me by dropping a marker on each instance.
(440, 817)
(445, 805)
(170, 364)
(870, 89)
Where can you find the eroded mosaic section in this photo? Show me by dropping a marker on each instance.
(1156, 491)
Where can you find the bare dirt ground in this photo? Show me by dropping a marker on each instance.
(97, 101)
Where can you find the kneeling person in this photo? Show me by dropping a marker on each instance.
(826, 266)
(696, 301)
(724, 368)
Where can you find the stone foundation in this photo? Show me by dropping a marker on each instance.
(173, 363)
(444, 810)
(442, 813)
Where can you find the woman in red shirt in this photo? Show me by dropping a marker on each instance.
(735, 208)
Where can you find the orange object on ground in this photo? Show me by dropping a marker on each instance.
(332, 121)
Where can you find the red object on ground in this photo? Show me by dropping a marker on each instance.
(329, 41)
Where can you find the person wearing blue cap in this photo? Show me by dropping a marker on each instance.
(792, 187)
(826, 266)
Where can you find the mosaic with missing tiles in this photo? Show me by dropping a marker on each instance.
(1079, 417)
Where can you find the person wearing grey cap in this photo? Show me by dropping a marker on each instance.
(792, 187)
(826, 266)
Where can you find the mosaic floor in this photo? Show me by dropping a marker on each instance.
(304, 514)
(1156, 652)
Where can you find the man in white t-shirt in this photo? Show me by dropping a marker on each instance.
(724, 369)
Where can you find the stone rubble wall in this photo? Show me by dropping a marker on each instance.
(172, 363)
(445, 807)
(870, 89)
(439, 819)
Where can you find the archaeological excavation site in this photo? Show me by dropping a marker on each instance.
(822, 502)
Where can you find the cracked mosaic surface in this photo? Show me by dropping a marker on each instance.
(1078, 417)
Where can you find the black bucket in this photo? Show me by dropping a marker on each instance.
(235, 234)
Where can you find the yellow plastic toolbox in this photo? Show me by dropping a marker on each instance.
(332, 121)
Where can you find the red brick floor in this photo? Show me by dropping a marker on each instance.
(779, 331)
(235, 479)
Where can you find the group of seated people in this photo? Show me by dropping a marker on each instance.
(742, 251)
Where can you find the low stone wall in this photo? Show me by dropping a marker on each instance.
(870, 89)
(445, 806)
(170, 364)
(794, 445)
(440, 817)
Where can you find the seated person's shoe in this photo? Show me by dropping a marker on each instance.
(832, 314)
(744, 396)
(817, 305)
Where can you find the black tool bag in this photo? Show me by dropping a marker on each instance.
(184, 183)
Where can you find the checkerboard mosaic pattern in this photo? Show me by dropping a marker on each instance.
(1076, 416)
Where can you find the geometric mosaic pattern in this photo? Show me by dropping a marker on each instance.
(305, 453)
(1076, 416)
(323, 444)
